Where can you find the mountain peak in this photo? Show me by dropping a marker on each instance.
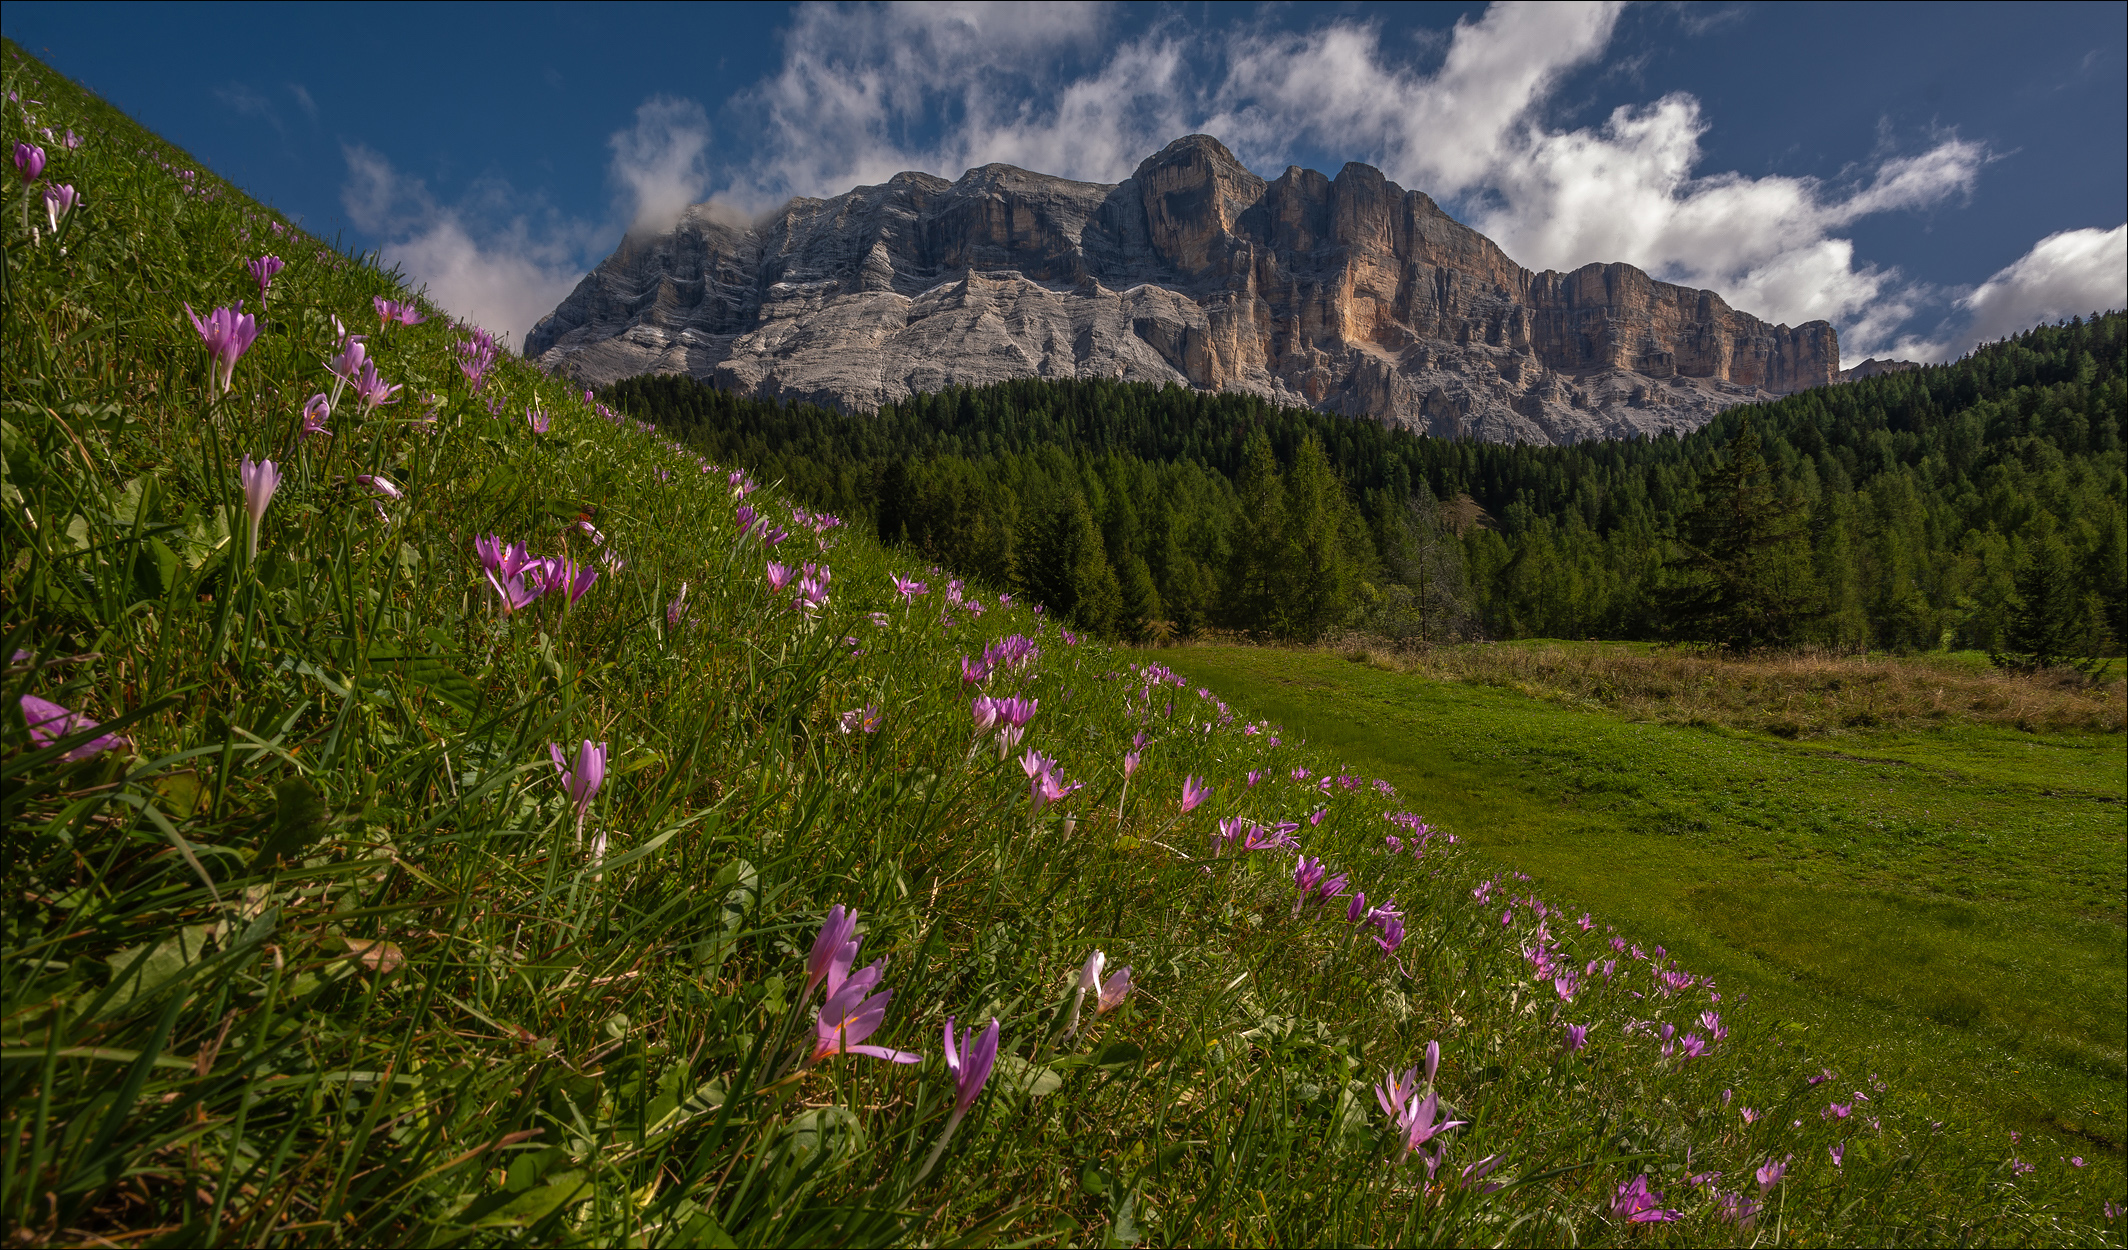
(1351, 295)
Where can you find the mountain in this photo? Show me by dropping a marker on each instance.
(1350, 295)
(1874, 367)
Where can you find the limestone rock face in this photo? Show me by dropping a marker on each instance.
(1347, 294)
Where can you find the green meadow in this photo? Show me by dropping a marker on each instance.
(1941, 906)
(445, 812)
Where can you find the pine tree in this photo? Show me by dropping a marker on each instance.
(1255, 593)
(1747, 582)
(2051, 624)
(1317, 586)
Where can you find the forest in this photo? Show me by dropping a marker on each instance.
(1978, 504)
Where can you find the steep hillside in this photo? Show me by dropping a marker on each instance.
(1350, 295)
(443, 812)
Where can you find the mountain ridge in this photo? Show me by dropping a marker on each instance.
(1348, 294)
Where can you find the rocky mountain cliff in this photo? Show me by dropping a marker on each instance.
(1350, 294)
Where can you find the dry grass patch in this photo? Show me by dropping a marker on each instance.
(1787, 695)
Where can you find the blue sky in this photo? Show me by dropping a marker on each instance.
(1923, 176)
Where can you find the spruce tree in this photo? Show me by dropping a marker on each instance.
(1746, 580)
(1256, 593)
(2051, 624)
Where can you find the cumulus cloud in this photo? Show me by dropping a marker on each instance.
(486, 259)
(2068, 274)
(661, 162)
(1041, 88)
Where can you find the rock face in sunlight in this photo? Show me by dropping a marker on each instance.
(1350, 295)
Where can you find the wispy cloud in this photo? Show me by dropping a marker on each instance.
(493, 257)
(865, 92)
(2069, 274)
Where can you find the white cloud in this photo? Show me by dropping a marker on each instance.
(2068, 274)
(661, 161)
(986, 84)
(486, 259)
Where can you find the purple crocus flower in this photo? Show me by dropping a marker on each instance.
(1839, 1154)
(29, 162)
(1770, 1173)
(372, 389)
(677, 608)
(1637, 1204)
(834, 950)
(48, 722)
(70, 141)
(1307, 874)
(377, 484)
(1577, 1036)
(1113, 991)
(228, 333)
(970, 1067)
(262, 271)
(58, 202)
(537, 420)
(1194, 792)
(315, 414)
(853, 1013)
(778, 576)
(583, 781)
(402, 311)
(1421, 1122)
(259, 481)
(908, 588)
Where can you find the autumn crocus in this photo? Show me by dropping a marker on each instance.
(1089, 983)
(1194, 792)
(262, 271)
(853, 1013)
(29, 162)
(401, 311)
(1637, 1204)
(48, 723)
(582, 782)
(371, 389)
(1114, 991)
(1577, 1036)
(834, 950)
(259, 481)
(227, 333)
(970, 1063)
(315, 414)
(58, 202)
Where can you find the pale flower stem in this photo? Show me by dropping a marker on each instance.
(952, 1122)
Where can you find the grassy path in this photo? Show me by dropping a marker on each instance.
(1943, 908)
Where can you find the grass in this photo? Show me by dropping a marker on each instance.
(1909, 895)
(309, 943)
(1791, 696)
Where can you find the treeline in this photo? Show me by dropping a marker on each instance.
(1904, 509)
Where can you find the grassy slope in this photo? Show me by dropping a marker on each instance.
(1917, 896)
(318, 956)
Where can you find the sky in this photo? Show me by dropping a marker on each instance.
(1926, 177)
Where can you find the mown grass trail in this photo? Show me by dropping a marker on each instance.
(1944, 905)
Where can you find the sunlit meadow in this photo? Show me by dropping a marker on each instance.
(442, 811)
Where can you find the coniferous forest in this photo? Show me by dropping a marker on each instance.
(1979, 504)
